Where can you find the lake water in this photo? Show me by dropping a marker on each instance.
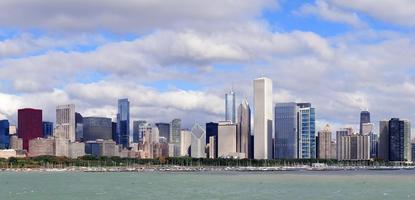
(377, 185)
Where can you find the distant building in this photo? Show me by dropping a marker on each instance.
(41, 147)
(95, 128)
(123, 123)
(399, 140)
(394, 140)
(16, 143)
(114, 131)
(79, 127)
(286, 131)
(29, 125)
(212, 131)
(186, 141)
(198, 143)
(13, 129)
(307, 132)
(352, 146)
(243, 139)
(368, 129)
(211, 148)
(164, 130)
(101, 147)
(263, 98)
(226, 138)
(364, 118)
(230, 107)
(324, 143)
(175, 128)
(413, 150)
(65, 118)
(47, 129)
(137, 135)
(4, 134)
(76, 149)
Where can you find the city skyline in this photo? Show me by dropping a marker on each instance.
(337, 54)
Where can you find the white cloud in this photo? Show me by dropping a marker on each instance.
(126, 15)
(326, 11)
(394, 11)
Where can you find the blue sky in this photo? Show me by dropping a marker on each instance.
(178, 58)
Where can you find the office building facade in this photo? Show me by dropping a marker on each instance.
(29, 122)
(286, 132)
(95, 128)
(47, 129)
(307, 132)
(198, 142)
(243, 138)
(263, 122)
(324, 143)
(123, 123)
(230, 107)
(4, 134)
(65, 117)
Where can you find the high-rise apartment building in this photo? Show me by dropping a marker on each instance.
(65, 118)
(123, 123)
(29, 122)
(394, 140)
(243, 137)
(307, 131)
(324, 143)
(263, 99)
(230, 107)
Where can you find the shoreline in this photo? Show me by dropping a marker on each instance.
(206, 169)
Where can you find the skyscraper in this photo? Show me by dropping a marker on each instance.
(79, 121)
(137, 135)
(198, 143)
(212, 131)
(29, 122)
(4, 134)
(230, 107)
(263, 118)
(164, 130)
(65, 118)
(47, 129)
(364, 118)
(307, 132)
(399, 140)
(175, 128)
(186, 141)
(227, 139)
(243, 138)
(123, 123)
(383, 147)
(286, 133)
(324, 143)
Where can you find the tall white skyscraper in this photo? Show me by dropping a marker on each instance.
(198, 142)
(65, 118)
(230, 107)
(263, 118)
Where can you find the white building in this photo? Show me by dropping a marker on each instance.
(186, 141)
(263, 118)
(41, 147)
(76, 149)
(65, 117)
(16, 143)
(226, 138)
(198, 142)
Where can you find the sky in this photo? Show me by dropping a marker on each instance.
(178, 58)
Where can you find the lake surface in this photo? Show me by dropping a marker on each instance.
(353, 185)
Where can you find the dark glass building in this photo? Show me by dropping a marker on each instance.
(364, 118)
(93, 148)
(79, 129)
(123, 123)
(97, 128)
(137, 136)
(4, 134)
(212, 130)
(29, 123)
(164, 130)
(114, 131)
(399, 140)
(47, 129)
